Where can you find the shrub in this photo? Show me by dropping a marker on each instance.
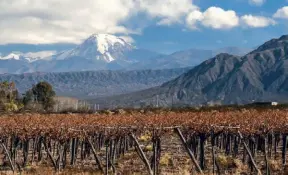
(10, 107)
(166, 160)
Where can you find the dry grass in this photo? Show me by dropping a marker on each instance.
(148, 148)
(146, 137)
(275, 165)
(36, 170)
(228, 165)
(226, 162)
(166, 160)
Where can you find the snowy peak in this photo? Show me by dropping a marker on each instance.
(30, 56)
(105, 41)
(102, 47)
(10, 56)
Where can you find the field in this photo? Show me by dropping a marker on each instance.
(239, 141)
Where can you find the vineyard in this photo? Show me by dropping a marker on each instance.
(208, 140)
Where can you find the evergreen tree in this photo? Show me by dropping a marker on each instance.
(42, 93)
(28, 97)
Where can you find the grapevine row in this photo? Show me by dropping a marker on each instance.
(59, 136)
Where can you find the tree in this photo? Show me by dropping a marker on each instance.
(8, 91)
(28, 97)
(43, 93)
(9, 99)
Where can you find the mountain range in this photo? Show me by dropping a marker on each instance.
(94, 84)
(231, 77)
(260, 75)
(105, 52)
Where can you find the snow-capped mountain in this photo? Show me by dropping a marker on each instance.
(97, 52)
(29, 56)
(101, 52)
(17, 62)
(10, 56)
(102, 47)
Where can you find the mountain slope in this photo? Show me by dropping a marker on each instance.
(102, 47)
(91, 84)
(232, 50)
(260, 75)
(190, 57)
(106, 52)
(29, 56)
(17, 62)
(15, 66)
(98, 52)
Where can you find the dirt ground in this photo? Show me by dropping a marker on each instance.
(174, 160)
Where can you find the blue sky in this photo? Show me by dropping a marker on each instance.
(161, 25)
(177, 37)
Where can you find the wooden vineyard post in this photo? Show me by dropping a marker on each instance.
(112, 155)
(154, 157)
(39, 149)
(25, 152)
(107, 158)
(270, 143)
(156, 153)
(50, 155)
(154, 161)
(82, 151)
(228, 144)
(184, 142)
(60, 156)
(276, 142)
(249, 153)
(194, 145)
(202, 150)
(9, 157)
(120, 147)
(35, 141)
(213, 143)
(142, 155)
(98, 161)
(73, 152)
(266, 156)
(111, 149)
(116, 143)
(213, 152)
(284, 148)
(58, 140)
(124, 145)
(66, 147)
(251, 149)
(236, 146)
(13, 149)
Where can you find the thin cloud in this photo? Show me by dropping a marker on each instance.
(257, 2)
(257, 21)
